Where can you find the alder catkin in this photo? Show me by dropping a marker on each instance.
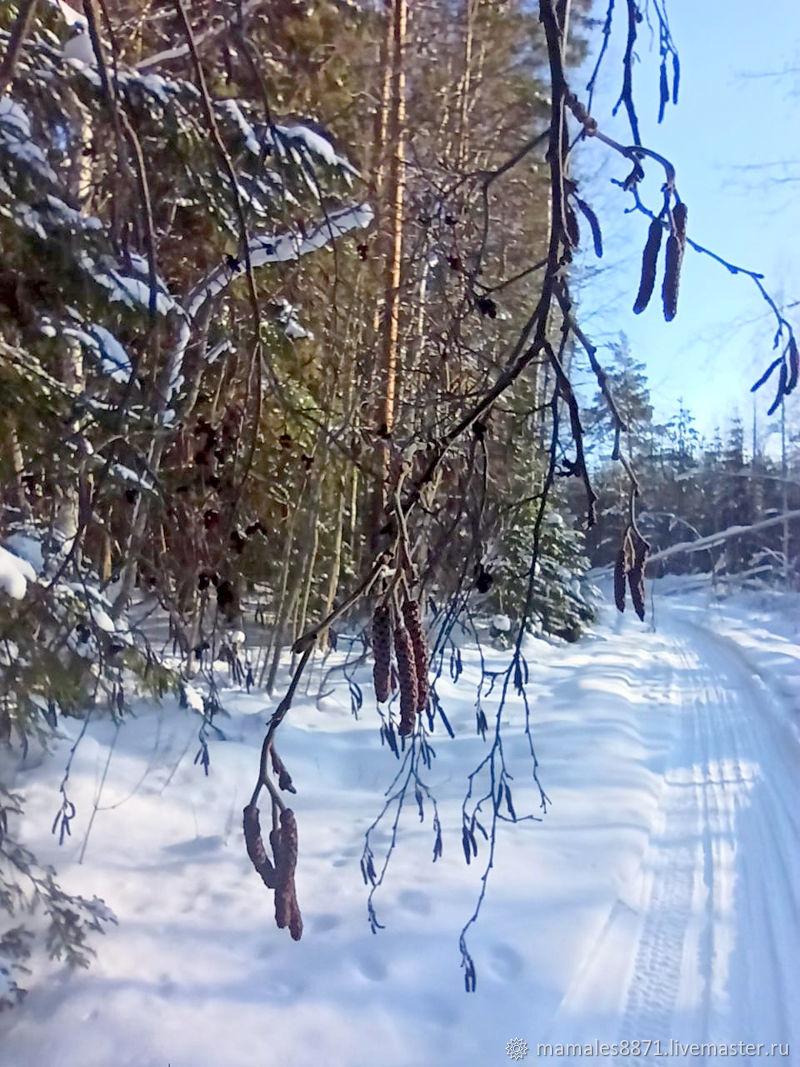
(636, 574)
(382, 651)
(255, 846)
(794, 365)
(412, 617)
(649, 263)
(672, 277)
(285, 863)
(407, 675)
(676, 244)
(571, 221)
(679, 216)
(619, 580)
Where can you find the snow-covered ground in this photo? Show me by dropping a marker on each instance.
(657, 900)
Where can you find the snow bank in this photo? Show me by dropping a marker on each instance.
(15, 573)
(657, 899)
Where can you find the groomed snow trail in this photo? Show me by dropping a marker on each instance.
(702, 944)
(656, 901)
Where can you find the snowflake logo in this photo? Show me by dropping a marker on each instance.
(516, 1049)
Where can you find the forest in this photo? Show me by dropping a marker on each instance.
(301, 414)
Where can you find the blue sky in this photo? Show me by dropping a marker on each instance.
(730, 119)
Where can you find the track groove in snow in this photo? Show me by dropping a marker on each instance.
(708, 942)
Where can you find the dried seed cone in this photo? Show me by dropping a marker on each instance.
(619, 580)
(412, 617)
(255, 846)
(672, 277)
(382, 651)
(649, 263)
(404, 653)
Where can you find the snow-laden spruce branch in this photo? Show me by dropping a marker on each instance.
(285, 247)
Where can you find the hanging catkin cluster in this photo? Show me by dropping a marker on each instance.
(629, 570)
(676, 245)
(409, 672)
(277, 874)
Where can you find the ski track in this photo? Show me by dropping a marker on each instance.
(711, 934)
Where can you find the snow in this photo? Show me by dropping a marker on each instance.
(656, 900)
(68, 13)
(501, 623)
(15, 140)
(283, 248)
(125, 289)
(264, 250)
(286, 315)
(246, 130)
(28, 547)
(14, 116)
(115, 361)
(78, 47)
(71, 218)
(213, 354)
(139, 481)
(316, 143)
(15, 573)
(193, 698)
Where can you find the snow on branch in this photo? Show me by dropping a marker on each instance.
(264, 250)
(15, 573)
(719, 538)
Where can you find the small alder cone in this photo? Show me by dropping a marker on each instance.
(255, 846)
(284, 778)
(649, 263)
(382, 651)
(407, 675)
(284, 842)
(412, 617)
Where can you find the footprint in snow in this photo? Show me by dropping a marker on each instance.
(323, 923)
(415, 900)
(372, 967)
(506, 963)
(196, 846)
(348, 856)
